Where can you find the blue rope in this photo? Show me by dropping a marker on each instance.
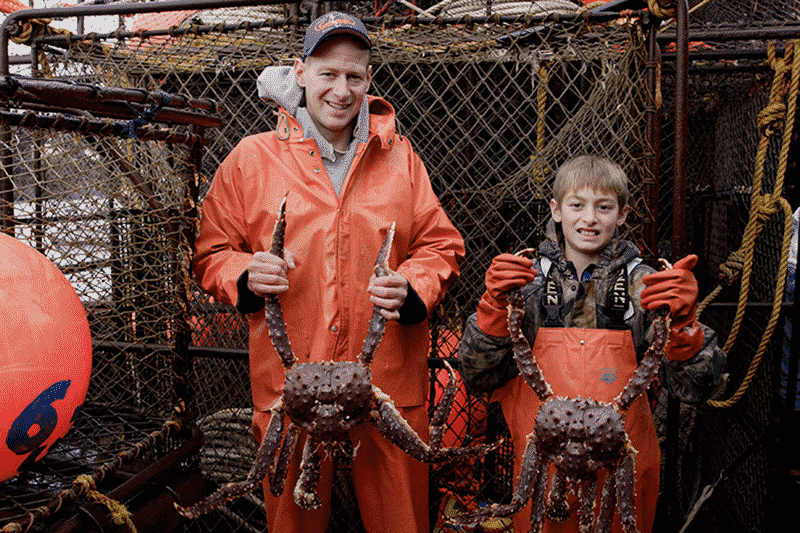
(146, 116)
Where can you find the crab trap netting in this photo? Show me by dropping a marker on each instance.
(493, 106)
(115, 213)
(732, 453)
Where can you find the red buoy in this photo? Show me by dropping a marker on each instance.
(45, 355)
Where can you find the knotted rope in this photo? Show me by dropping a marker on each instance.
(84, 487)
(667, 11)
(776, 117)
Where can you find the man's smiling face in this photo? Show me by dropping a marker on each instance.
(335, 77)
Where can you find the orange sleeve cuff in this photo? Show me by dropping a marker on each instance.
(684, 343)
(492, 320)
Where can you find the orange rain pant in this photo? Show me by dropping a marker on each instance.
(391, 487)
(591, 363)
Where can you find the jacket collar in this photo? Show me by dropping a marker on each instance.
(616, 253)
(381, 123)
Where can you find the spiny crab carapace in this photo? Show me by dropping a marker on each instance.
(327, 399)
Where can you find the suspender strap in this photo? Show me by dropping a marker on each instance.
(617, 300)
(552, 302)
(610, 316)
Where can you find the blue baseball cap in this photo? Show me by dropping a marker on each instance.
(332, 23)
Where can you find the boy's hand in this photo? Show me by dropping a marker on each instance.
(506, 272)
(677, 289)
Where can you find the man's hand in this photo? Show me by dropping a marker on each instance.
(388, 293)
(266, 273)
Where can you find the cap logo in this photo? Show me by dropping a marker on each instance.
(332, 21)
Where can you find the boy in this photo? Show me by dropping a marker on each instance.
(588, 334)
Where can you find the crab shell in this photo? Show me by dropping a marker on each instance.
(328, 398)
(581, 435)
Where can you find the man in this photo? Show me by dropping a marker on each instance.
(349, 175)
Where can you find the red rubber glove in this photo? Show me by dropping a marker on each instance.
(676, 288)
(506, 272)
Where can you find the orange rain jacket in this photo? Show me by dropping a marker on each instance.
(335, 241)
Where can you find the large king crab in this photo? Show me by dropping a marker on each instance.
(579, 436)
(327, 399)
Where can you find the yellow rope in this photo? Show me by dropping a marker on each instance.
(34, 27)
(84, 486)
(589, 7)
(541, 102)
(775, 117)
(660, 12)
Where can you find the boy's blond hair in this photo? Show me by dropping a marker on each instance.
(592, 171)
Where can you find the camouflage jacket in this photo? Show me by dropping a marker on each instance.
(487, 361)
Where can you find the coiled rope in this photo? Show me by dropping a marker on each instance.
(775, 118)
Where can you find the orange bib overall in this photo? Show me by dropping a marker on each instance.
(595, 363)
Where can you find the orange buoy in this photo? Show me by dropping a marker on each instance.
(45, 355)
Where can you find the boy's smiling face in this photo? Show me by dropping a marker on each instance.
(588, 219)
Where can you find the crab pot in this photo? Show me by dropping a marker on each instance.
(104, 176)
(97, 223)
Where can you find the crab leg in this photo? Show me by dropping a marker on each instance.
(540, 502)
(648, 368)
(523, 355)
(626, 492)
(277, 477)
(608, 502)
(529, 481)
(377, 323)
(272, 308)
(557, 507)
(305, 491)
(443, 409)
(264, 461)
(393, 426)
(586, 497)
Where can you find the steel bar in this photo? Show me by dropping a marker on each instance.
(39, 89)
(6, 186)
(385, 22)
(681, 129)
(653, 133)
(788, 31)
(115, 110)
(10, 25)
(89, 126)
(159, 472)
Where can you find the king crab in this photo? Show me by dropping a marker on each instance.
(327, 399)
(579, 436)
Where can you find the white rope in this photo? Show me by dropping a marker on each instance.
(456, 8)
